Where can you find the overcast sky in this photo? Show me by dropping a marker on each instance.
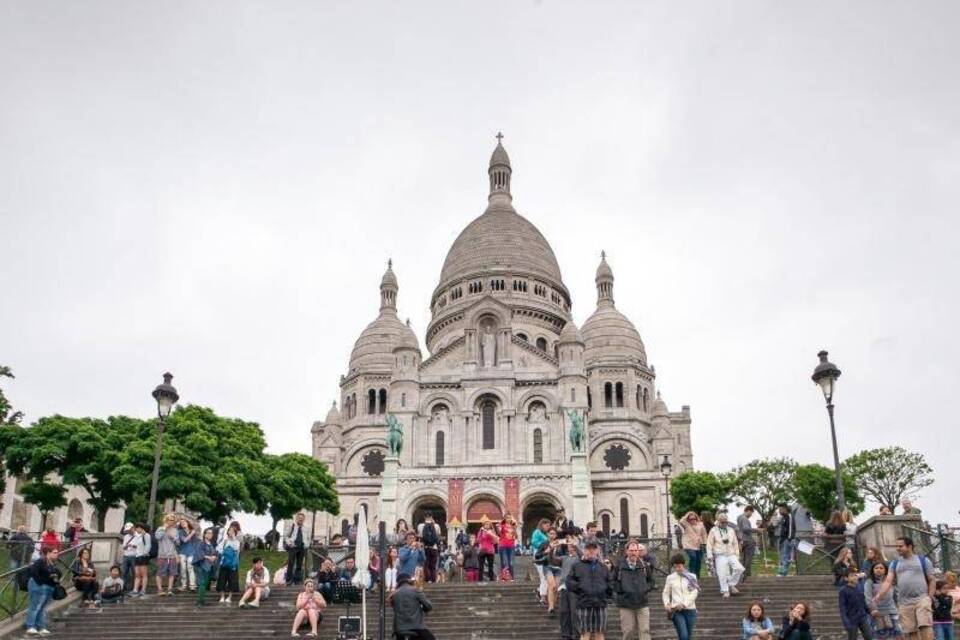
(214, 189)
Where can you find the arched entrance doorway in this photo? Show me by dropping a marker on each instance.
(481, 507)
(538, 508)
(436, 508)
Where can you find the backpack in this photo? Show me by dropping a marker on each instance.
(542, 555)
(230, 557)
(429, 537)
(925, 565)
(154, 545)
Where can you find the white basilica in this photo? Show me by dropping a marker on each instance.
(485, 411)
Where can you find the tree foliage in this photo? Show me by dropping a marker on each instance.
(890, 474)
(817, 491)
(295, 481)
(764, 483)
(210, 463)
(83, 451)
(7, 415)
(45, 496)
(697, 491)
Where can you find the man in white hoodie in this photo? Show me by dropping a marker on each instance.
(723, 550)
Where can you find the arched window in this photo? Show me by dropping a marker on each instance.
(644, 526)
(646, 399)
(542, 344)
(537, 446)
(440, 438)
(605, 524)
(487, 416)
(556, 351)
(522, 336)
(589, 399)
(608, 395)
(371, 402)
(639, 401)
(619, 394)
(624, 516)
(573, 394)
(353, 405)
(403, 399)
(344, 527)
(382, 408)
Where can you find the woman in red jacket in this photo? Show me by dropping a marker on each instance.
(507, 532)
(487, 539)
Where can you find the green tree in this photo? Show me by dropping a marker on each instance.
(45, 496)
(697, 491)
(7, 415)
(764, 483)
(817, 491)
(83, 452)
(295, 481)
(211, 463)
(889, 475)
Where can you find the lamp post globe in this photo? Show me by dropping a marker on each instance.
(166, 396)
(825, 374)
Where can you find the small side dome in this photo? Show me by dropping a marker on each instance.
(333, 416)
(570, 333)
(407, 339)
(659, 407)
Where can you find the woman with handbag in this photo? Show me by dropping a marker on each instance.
(44, 586)
(85, 578)
(680, 591)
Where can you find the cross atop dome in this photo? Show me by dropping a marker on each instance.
(499, 137)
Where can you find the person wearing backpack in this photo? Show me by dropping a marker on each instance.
(912, 574)
(429, 534)
(632, 580)
(228, 582)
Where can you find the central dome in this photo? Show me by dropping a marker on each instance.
(500, 239)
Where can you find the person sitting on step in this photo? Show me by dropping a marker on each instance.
(112, 588)
(796, 624)
(756, 625)
(257, 585)
(310, 605)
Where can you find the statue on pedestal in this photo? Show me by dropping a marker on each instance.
(578, 435)
(394, 435)
(489, 347)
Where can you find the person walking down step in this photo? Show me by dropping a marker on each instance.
(942, 613)
(756, 625)
(507, 532)
(853, 609)
(724, 551)
(913, 577)
(632, 582)
(412, 556)
(429, 533)
(409, 606)
(537, 539)
(680, 591)
(796, 624)
(566, 600)
(44, 578)
(589, 581)
(310, 605)
(228, 581)
(694, 537)
(748, 543)
(884, 616)
(487, 540)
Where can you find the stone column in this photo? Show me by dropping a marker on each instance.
(389, 488)
(511, 493)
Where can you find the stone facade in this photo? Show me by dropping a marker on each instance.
(486, 414)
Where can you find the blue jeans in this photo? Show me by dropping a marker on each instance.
(787, 549)
(40, 597)
(506, 559)
(684, 621)
(943, 631)
(694, 560)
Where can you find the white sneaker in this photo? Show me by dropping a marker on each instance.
(32, 632)
(44, 632)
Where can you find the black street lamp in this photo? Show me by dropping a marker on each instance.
(166, 396)
(826, 375)
(666, 468)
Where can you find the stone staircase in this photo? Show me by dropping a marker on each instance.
(462, 611)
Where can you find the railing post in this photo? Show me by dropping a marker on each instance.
(382, 541)
(944, 546)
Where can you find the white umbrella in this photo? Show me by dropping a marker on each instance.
(361, 578)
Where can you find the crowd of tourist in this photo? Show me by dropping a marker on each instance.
(578, 575)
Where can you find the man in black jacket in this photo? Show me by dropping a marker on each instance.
(632, 581)
(409, 605)
(786, 539)
(590, 582)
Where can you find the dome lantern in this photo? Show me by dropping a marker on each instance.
(388, 288)
(500, 172)
(604, 282)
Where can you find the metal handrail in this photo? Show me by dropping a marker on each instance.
(10, 577)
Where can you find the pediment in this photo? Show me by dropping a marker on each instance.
(446, 359)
